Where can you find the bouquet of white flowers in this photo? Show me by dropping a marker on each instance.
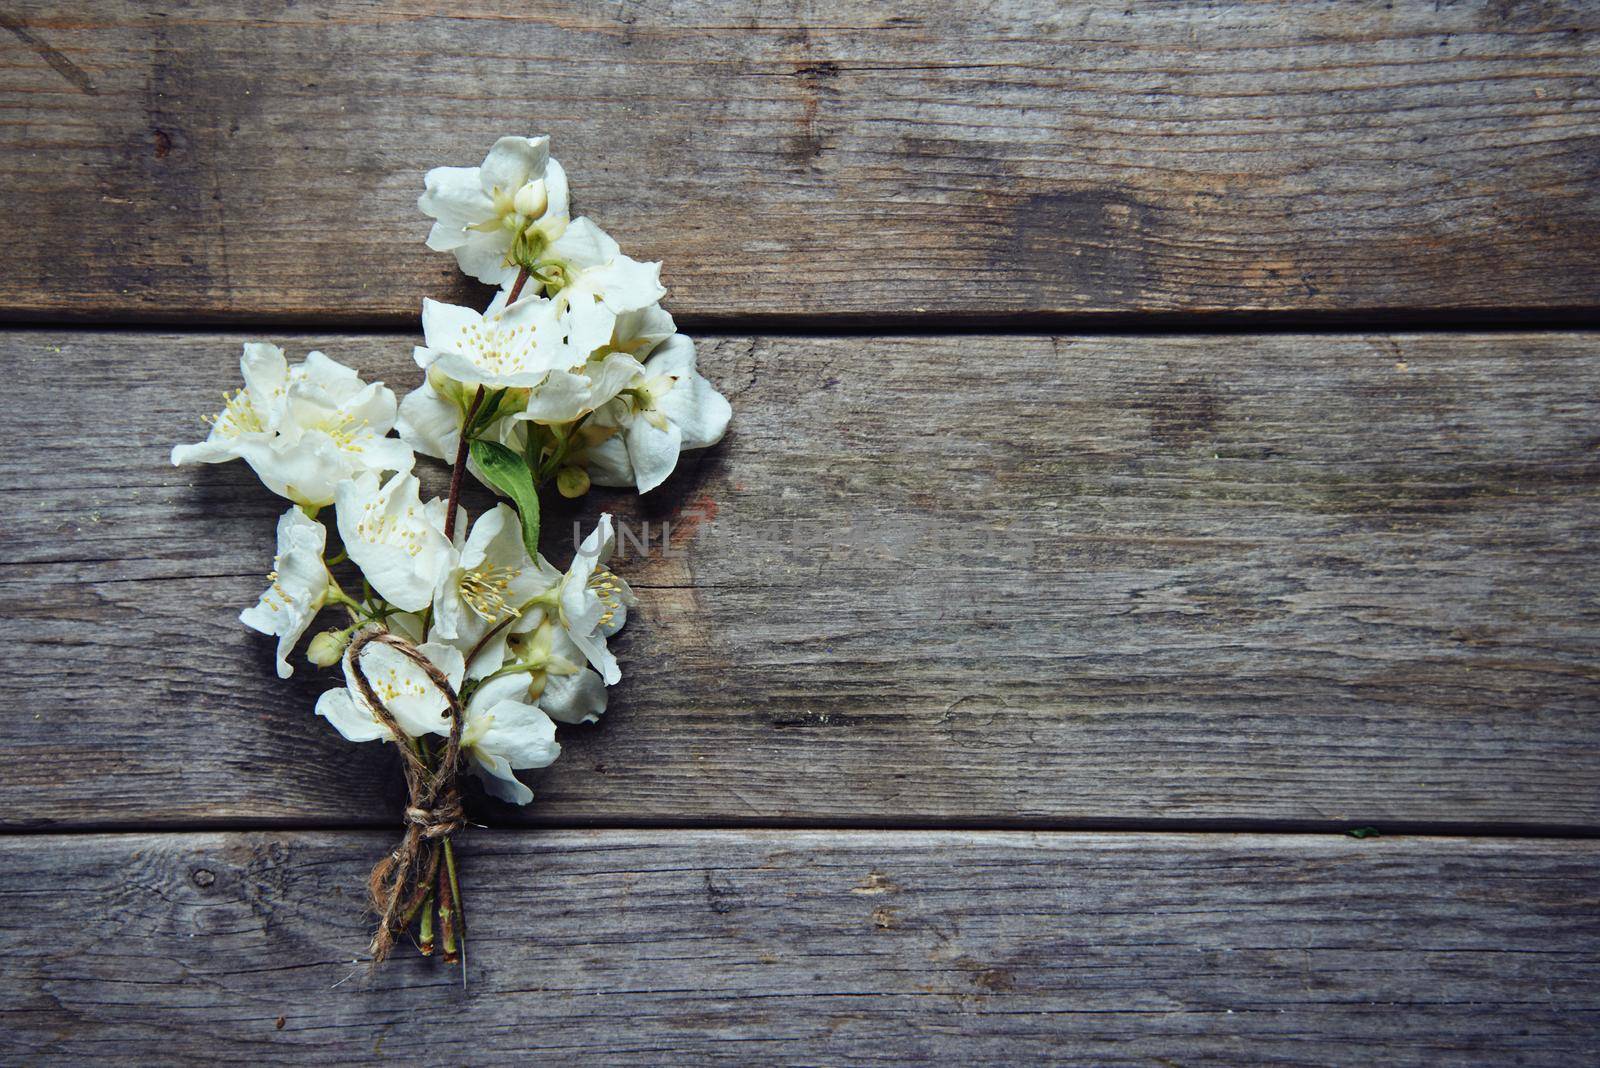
(465, 644)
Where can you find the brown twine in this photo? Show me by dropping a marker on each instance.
(400, 882)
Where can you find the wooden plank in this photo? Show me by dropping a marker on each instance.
(787, 158)
(823, 947)
(1012, 580)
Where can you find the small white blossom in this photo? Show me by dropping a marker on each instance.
(429, 421)
(249, 418)
(501, 732)
(302, 429)
(588, 604)
(567, 395)
(527, 351)
(299, 585)
(513, 347)
(396, 540)
(593, 602)
(567, 689)
(492, 580)
(538, 648)
(585, 266)
(668, 409)
(498, 214)
(404, 688)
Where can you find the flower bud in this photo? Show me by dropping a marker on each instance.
(572, 481)
(326, 648)
(531, 199)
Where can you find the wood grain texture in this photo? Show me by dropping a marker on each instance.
(224, 161)
(741, 947)
(1013, 580)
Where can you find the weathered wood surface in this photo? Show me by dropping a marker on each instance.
(967, 580)
(228, 161)
(814, 947)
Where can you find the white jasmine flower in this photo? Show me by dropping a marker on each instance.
(500, 214)
(588, 604)
(592, 603)
(249, 417)
(538, 650)
(299, 585)
(566, 395)
(502, 734)
(334, 426)
(669, 408)
(303, 429)
(404, 688)
(396, 540)
(567, 690)
(431, 416)
(515, 347)
(492, 580)
(584, 265)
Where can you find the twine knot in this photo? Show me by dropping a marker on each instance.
(401, 882)
(442, 820)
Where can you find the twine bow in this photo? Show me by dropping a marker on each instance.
(422, 864)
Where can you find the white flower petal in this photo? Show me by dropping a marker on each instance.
(445, 325)
(653, 452)
(608, 463)
(608, 376)
(483, 256)
(454, 196)
(639, 331)
(447, 658)
(210, 451)
(555, 184)
(583, 245)
(699, 412)
(560, 398)
(408, 694)
(595, 651)
(462, 368)
(265, 371)
(512, 162)
(339, 708)
(498, 779)
(521, 733)
(578, 698)
(389, 536)
(625, 284)
(445, 237)
(299, 585)
(589, 325)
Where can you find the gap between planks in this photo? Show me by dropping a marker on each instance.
(1197, 828)
(1148, 324)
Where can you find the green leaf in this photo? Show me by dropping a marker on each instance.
(509, 473)
(1362, 832)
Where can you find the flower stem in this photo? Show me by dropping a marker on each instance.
(425, 935)
(447, 913)
(455, 890)
(516, 287)
(496, 629)
(461, 466)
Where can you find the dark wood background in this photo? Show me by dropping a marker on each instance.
(1167, 439)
